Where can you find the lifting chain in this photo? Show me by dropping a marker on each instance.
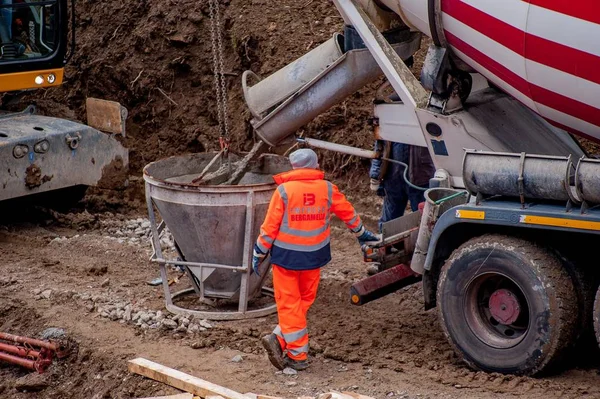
(219, 72)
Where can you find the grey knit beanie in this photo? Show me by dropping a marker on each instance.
(304, 158)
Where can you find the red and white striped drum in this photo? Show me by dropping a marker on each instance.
(545, 53)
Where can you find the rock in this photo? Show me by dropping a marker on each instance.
(90, 307)
(205, 324)
(146, 224)
(169, 324)
(46, 294)
(144, 317)
(291, 383)
(120, 314)
(37, 291)
(327, 20)
(181, 329)
(105, 283)
(154, 326)
(159, 314)
(289, 371)
(114, 315)
(136, 317)
(184, 322)
(193, 329)
(237, 359)
(104, 314)
(144, 326)
(32, 382)
(127, 314)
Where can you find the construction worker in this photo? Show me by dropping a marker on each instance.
(387, 180)
(296, 231)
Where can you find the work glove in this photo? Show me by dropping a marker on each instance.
(374, 184)
(365, 235)
(257, 258)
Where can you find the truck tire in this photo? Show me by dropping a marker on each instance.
(596, 316)
(507, 305)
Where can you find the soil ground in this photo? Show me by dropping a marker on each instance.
(64, 270)
(60, 270)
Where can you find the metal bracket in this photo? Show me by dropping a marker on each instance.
(521, 179)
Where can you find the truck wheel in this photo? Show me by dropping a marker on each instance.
(506, 305)
(596, 316)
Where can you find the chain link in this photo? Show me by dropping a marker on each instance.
(219, 69)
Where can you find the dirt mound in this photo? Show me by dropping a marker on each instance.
(155, 58)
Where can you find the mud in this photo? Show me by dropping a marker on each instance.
(79, 279)
(60, 269)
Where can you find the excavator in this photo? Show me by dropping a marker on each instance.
(504, 244)
(42, 155)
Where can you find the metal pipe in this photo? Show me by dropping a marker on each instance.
(30, 341)
(19, 351)
(28, 364)
(344, 149)
(359, 152)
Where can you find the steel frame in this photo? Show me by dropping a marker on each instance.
(246, 268)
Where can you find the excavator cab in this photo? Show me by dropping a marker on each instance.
(34, 43)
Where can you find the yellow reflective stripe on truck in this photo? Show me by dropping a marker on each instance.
(465, 214)
(560, 222)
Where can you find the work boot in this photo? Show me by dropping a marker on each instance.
(297, 365)
(271, 344)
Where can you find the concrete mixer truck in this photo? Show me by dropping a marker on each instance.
(505, 243)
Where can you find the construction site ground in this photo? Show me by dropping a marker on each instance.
(72, 270)
(86, 270)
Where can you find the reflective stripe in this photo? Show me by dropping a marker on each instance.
(284, 198)
(298, 351)
(262, 247)
(329, 194)
(304, 233)
(354, 219)
(295, 336)
(267, 238)
(277, 331)
(282, 194)
(301, 248)
(357, 228)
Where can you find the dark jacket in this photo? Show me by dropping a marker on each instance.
(420, 164)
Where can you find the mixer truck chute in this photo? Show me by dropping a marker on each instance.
(39, 154)
(504, 241)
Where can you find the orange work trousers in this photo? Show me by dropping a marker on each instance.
(295, 292)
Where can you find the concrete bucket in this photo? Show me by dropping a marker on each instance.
(214, 228)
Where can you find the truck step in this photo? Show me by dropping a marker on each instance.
(382, 284)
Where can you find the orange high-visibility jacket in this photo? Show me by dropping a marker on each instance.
(296, 227)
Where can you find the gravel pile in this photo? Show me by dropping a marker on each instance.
(125, 312)
(133, 232)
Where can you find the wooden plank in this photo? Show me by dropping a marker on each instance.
(178, 396)
(104, 115)
(180, 380)
(357, 395)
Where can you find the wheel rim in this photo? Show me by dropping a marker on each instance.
(496, 310)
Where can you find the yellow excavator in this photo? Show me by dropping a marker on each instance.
(40, 154)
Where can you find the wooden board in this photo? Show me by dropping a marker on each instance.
(178, 396)
(106, 116)
(180, 380)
